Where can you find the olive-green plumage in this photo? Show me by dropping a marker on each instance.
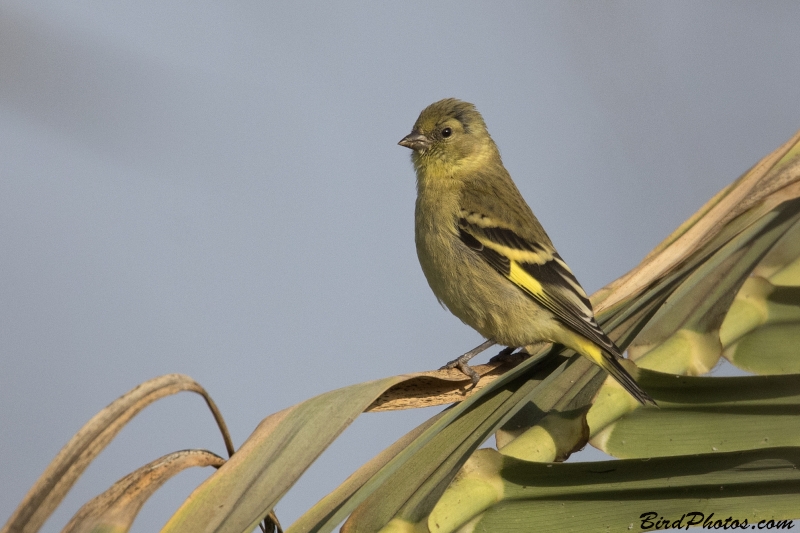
(484, 253)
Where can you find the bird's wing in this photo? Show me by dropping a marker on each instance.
(538, 270)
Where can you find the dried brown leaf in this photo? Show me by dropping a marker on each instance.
(439, 387)
(115, 509)
(57, 479)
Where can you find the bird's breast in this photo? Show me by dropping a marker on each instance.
(466, 284)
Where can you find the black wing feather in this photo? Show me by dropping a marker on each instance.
(554, 276)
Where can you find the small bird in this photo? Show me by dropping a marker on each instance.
(484, 253)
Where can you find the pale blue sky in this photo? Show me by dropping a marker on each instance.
(215, 189)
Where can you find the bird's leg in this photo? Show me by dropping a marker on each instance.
(461, 362)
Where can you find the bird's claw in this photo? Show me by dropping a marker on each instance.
(465, 368)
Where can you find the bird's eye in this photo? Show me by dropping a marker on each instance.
(447, 132)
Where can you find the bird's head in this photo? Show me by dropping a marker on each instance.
(447, 135)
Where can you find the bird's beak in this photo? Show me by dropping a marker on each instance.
(416, 141)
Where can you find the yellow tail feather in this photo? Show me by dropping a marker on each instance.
(611, 364)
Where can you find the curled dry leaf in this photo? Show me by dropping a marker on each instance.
(59, 476)
(115, 509)
(439, 387)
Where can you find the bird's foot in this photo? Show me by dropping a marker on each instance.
(461, 362)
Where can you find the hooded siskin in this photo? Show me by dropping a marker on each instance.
(484, 253)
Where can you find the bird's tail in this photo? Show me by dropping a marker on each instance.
(609, 362)
(612, 365)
